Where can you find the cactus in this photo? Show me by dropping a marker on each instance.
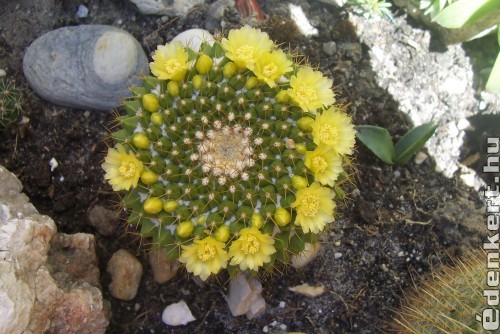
(10, 103)
(230, 157)
(451, 302)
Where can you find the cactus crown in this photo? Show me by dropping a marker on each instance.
(230, 157)
(10, 103)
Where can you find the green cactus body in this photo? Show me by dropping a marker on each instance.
(10, 103)
(450, 301)
(218, 149)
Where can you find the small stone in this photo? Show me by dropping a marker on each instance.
(166, 7)
(384, 267)
(353, 51)
(245, 296)
(337, 256)
(2, 73)
(163, 269)
(282, 304)
(308, 254)
(86, 66)
(337, 243)
(308, 290)
(104, 220)
(420, 157)
(82, 12)
(177, 314)
(330, 48)
(126, 272)
(194, 37)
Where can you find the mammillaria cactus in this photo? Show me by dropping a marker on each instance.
(230, 157)
(10, 103)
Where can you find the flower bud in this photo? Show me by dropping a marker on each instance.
(301, 148)
(223, 233)
(197, 81)
(184, 229)
(299, 182)
(173, 88)
(251, 83)
(256, 221)
(282, 97)
(150, 102)
(229, 70)
(204, 64)
(153, 205)
(141, 140)
(282, 217)
(157, 118)
(149, 177)
(170, 206)
(305, 123)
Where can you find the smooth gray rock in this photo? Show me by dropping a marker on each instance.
(87, 66)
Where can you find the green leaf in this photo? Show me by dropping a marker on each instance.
(493, 84)
(378, 140)
(464, 12)
(412, 141)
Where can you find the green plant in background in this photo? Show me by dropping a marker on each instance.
(369, 8)
(379, 141)
(450, 302)
(433, 7)
(10, 103)
(230, 157)
(467, 12)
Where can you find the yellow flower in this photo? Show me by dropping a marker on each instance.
(245, 45)
(170, 62)
(123, 169)
(310, 90)
(271, 66)
(252, 249)
(325, 164)
(204, 257)
(334, 128)
(314, 206)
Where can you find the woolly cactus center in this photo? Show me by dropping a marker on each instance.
(226, 151)
(172, 66)
(206, 253)
(328, 132)
(245, 52)
(309, 205)
(250, 245)
(306, 94)
(127, 169)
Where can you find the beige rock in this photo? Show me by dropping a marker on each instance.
(245, 296)
(308, 290)
(163, 269)
(126, 272)
(308, 254)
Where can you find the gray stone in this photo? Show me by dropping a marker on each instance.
(87, 66)
(126, 272)
(104, 220)
(166, 7)
(330, 48)
(49, 281)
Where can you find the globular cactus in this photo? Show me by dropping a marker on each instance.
(10, 103)
(230, 157)
(452, 301)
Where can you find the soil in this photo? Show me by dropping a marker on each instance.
(398, 224)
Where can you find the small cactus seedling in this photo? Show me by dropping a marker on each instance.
(450, 302)
(10, 103)
(230, 157)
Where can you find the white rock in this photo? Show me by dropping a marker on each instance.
(82, 12)
(300, 19)
(308, 254)
(177, 314)
(245, 296)
(194, 37)
(420, 157)
(126, 272)
(2, 73)
(166, 7)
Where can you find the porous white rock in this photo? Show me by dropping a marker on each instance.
(49, 281)
(166, 7)
(194, 37)
(86, 66)
(126, 272)
(177, 314)
(245, 296)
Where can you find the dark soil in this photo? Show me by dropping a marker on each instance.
(398, 224)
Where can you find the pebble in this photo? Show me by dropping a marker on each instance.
(245, 296)
(308, 290)
(103, 219)
(282, 304)
(86, 66)
(163, 269)
(177, 314)
(308, 254)
(337, 256)
(420, 157)
(166, 7)
(330, 48)
(82, 12)
(2, 73)
(194, 37)
(126, 272)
